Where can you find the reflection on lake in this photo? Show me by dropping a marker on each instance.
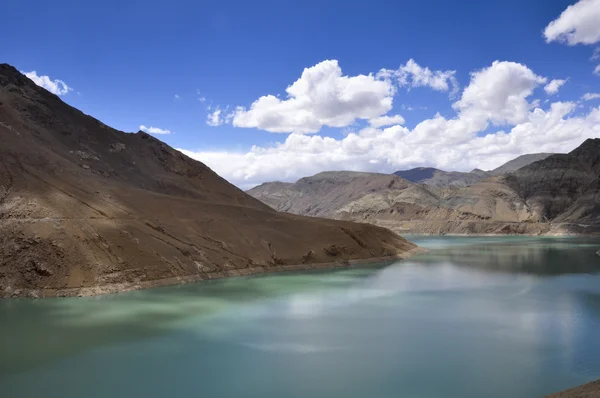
(474, 317)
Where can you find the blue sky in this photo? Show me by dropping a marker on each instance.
(126, 61)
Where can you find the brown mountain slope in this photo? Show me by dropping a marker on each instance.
(86, 209)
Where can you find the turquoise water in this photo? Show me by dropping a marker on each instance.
(474, 317)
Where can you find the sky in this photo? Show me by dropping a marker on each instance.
(278, 90)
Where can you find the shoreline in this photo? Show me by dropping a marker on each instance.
(503, 235)
(588, 390)
(180, 280)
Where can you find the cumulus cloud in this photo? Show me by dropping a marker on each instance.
(597, 70)
(414, 75)
(154, 130)
(578, 24)
(498, 94)
(382, 121)
(590, 96)
(553, 87)
(322, 96)
(55, 86)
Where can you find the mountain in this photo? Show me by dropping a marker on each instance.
(335, 193)
(437, 178)
(86, 209)
(555, 195)
(563, 187)
(418, 174)
(518, 162)
(440, 178)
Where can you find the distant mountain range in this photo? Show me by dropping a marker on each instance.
(532, 194)
(444, 179)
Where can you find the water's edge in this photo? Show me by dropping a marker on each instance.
(130, 286)
(588, 390)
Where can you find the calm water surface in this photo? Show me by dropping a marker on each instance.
(474, 317)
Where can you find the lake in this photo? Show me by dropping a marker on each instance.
(473, 317)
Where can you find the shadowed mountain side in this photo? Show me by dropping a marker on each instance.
(562, 187)
(86, 209)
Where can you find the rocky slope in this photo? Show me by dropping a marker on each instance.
(87, 209)
(556, 195)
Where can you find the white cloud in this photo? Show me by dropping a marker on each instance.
(176, 97)
(590, 96)
(412, 108)
(596, 54)
(578, 24)
(200, 97)
(214, 118)
(497, 94)
(413, 75)
(382, 121)
(322, 96)
(597, 70)
(56, 86)
(154, 130)
(218, 116)
(553, 87)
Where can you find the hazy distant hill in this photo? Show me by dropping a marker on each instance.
(519, 162)
(439, 178)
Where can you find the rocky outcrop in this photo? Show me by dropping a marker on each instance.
(87, 209)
